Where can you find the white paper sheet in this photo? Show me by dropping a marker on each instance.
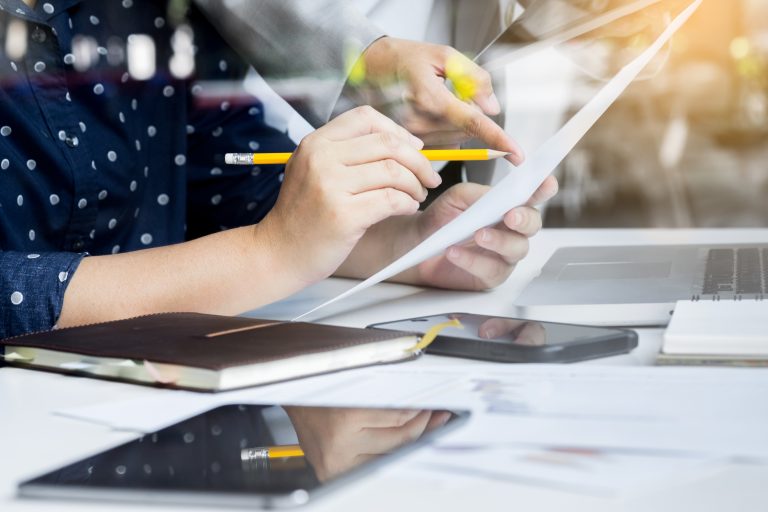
(521, 183)
(350, 388)
(688, 411)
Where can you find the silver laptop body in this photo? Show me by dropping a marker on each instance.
(639, 285)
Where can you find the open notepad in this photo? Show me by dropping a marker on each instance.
(719, 330)
(206, 352)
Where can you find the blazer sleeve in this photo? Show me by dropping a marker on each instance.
(296, 39)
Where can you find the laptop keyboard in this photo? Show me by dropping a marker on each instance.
(736, 272)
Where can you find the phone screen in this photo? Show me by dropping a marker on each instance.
(502, 330)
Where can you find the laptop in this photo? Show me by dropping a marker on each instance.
(639, 285)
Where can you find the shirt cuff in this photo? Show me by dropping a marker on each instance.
(32, 289)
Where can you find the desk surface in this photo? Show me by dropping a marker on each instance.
(34, 440)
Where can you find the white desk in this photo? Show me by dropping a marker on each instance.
(34, 441)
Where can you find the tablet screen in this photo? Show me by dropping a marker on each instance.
(245, 454)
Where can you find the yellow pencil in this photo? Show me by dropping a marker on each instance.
(435, 155)
(283, 452)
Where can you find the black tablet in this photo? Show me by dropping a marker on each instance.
(246, 456)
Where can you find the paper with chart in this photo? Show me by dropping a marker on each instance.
(159, 408)
(521, 183)
(684, 412)
(590, 472)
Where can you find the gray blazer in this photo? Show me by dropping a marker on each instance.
(294, 38)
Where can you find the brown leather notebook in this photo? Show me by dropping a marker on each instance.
(206, 352)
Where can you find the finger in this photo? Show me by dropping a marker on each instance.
(476, 125)
(488, 104)
(383, 440)
(511, 247)
(545, 192)
(384, 174)
(533, 334)
(522, 332)
(363, 121)
(487, 268)
(387, 146)
(438, 419)
(524, 220)
(419, 122)
(434, 98)
(462, 196)
(495, 327)
(380, 418)
(471, 82)
(380, 204)
(361, 459)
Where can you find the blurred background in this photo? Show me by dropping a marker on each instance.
(686, 146)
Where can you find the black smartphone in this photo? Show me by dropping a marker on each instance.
(514, 340)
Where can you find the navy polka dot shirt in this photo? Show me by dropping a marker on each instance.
(105, 147)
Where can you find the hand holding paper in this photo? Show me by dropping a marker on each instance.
(519, 185)
(489, 257)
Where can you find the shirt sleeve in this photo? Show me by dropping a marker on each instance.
(32, 289)
(296, 38)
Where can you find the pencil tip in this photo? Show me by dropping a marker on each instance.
(493, 154)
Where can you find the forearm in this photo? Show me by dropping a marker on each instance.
(224, 273)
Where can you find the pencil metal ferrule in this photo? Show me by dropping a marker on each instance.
(238, 158)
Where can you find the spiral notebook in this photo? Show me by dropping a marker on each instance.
(720, 329)
(206, 352)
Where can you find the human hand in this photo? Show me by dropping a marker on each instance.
(335, 440)
(432, 111)
(346, 176)
(490, 257)
(523, 332)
